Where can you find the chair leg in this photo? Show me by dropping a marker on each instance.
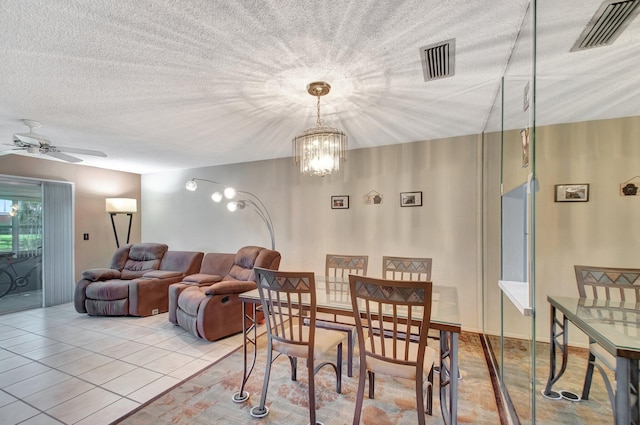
(372, 383)
(294, 367)
(420, 400)
(360, 393)
(312, 392)
(351, 346)
(339, 369)
(588, 377)
(429, 410)
(261, 410)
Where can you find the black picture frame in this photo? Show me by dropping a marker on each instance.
(340, 202)
(575, 192)
(410, 199)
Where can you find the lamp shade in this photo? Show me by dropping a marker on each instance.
(121, 205)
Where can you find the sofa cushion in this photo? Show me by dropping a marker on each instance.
(230, 287)
(114, 289)
(216, 263)
(242, 268)
(190, 299)
(202, 278)
(143, 257)
(161, 274)
(101, 274)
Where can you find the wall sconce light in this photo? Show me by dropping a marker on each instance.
(242, 199)
(127, 206)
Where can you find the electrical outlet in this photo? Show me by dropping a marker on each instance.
(86, 236)
(154, 311)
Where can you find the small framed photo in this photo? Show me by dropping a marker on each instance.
(410, 199)
(340, 202)
(572, 192)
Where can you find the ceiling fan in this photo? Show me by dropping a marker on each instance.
(37, 144)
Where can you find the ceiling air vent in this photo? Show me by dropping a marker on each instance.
(438, 60)
(607, 24)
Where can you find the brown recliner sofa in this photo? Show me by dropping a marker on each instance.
(137, 281)
(206, 303)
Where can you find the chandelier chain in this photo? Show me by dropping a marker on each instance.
(319, 122)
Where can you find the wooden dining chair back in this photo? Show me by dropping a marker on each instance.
(405, 305)
(612, 284)
(406, 268)
(287, 298)
(341, 266)
(344, 265)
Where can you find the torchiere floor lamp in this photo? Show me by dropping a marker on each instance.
(127, 206)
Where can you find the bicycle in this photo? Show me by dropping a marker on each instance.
(10, 279)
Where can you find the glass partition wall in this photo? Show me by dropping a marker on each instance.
(583, 124)
(508, 220)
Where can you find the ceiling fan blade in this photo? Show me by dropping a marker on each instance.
(31, 137)
(80, 151)
(63, 156)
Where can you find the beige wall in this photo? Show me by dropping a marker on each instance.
(604, 231)
(445, 228)
(92, 186)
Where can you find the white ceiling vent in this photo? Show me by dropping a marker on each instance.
(606, 25)
(438, 60)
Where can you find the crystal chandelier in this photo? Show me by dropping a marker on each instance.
(319, 150)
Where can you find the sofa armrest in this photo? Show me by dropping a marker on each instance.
(95, 275)
(161, 274)
(230, 287)
(200, 278)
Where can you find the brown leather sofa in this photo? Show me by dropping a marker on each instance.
(206, 303)
(137, 281)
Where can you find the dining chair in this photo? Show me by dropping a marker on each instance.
(405, 305)
(286, 299)
(406, 268)
(342, 266)
(409, 268)
(612, 284)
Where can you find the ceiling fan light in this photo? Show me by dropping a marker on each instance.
(33, 149)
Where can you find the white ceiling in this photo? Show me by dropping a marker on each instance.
(169, 84)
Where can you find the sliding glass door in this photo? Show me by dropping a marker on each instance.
(21, 238)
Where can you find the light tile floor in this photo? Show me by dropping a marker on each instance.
(59, 366)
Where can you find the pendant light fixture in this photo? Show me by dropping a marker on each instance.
(319, 150)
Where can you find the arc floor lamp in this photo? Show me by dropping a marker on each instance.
(238, 200)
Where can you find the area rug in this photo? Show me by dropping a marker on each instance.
(206, 398)
(517, 369)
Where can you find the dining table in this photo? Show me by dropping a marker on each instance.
(333, 297)
(615, 326)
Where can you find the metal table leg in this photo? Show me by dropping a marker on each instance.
(557, 329)
(449, 369)
(626, 398)
(242, 395)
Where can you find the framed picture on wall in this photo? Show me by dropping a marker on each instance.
(572, 192)
(340, 202)
(411, 199)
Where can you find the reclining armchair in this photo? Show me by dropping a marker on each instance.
(207, 303)
(137, 281)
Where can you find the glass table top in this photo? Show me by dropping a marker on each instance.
(613, 324)
(332, 295)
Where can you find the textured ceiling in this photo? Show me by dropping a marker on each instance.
(168, 84)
